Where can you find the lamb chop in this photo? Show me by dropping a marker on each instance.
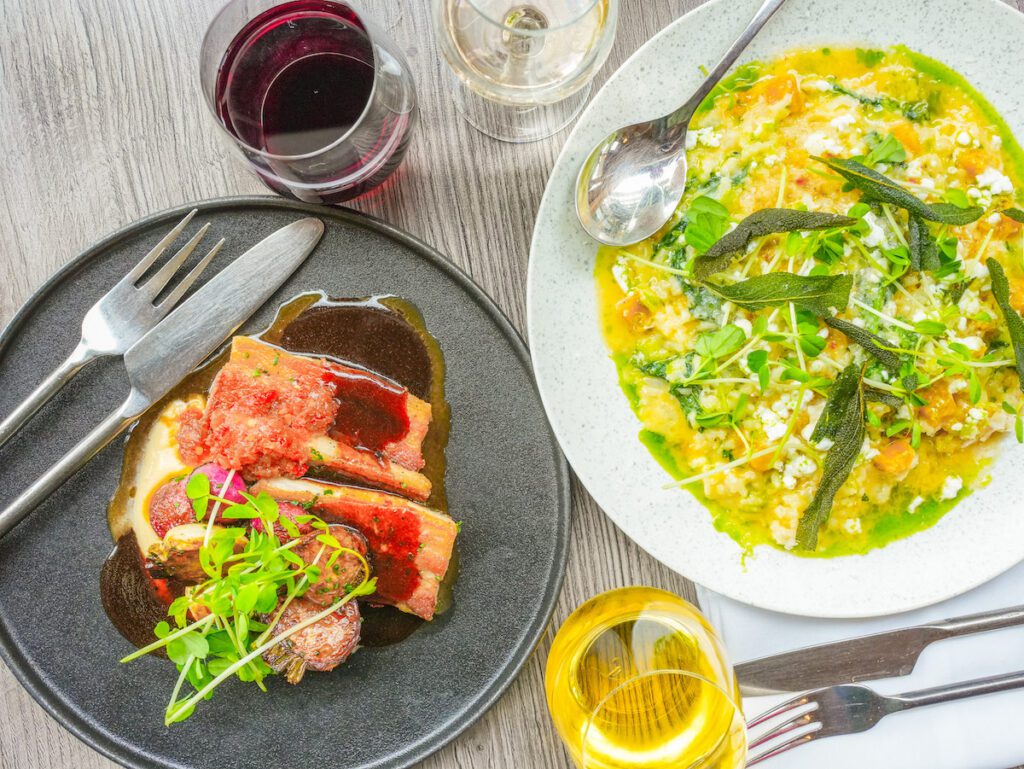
(271, 414)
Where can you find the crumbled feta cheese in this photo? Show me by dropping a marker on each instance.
(963, 139)
(871, 453)
(771, 160)
(774, 428)
(928, 184)
(621, 278)
(975, 269)
(951, 487)
(824, 444)
(957, 384)
(801, 466)
(816, 85)
(852, 526)
(691, 140)
(994, 219)
(997, 142)
(976, 414)
(974, 343)
(961, 324)
(745, 325)
(973, 192)
(996, 182)
(914, 504)
(859, 322)
(819, 143)
(708, 137)
(918, 316)
(876, 235)
(844, 121)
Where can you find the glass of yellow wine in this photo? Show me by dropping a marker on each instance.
(636, 677)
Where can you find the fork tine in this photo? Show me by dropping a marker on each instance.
(789, 744)
(179, 291)
(784, 728)
(159, 281)
(147, 261)
(779, 709)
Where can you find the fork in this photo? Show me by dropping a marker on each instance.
(120, 318)
(853, 708)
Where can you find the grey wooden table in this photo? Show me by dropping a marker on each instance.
(102, 122)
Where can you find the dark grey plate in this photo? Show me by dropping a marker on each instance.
(387, 707)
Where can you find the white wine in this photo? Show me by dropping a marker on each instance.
(520, 53)
(637, 678)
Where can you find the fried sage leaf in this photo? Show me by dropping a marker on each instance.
(874, 345)
(1014, 323)
(1014, 213)
(767, 221)
(924, 251)
(875, 395)
(821, 294)
(842, 422)
(880, 188)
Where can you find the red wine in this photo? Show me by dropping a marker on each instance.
(299, 82)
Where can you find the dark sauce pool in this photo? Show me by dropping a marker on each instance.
(385, 335)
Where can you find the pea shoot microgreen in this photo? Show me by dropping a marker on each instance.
(222, 627)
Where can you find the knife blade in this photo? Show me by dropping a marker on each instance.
(880, 655)
(180, 342)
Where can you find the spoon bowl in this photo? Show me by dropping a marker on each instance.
(630, 185)
(633, 181)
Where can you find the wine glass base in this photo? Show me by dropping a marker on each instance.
(515, 124)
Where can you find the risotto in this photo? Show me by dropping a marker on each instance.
(821, 344)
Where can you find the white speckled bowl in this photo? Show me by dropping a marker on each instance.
(980, 538)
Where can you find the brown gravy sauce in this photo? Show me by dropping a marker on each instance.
(384, 335)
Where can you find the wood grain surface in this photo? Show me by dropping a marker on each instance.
(102, 122)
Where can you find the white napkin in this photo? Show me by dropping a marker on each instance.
(978, 733)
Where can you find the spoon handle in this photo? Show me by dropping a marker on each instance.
(680, 119)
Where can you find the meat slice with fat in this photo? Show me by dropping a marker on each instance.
(410, 545)
(271, 413)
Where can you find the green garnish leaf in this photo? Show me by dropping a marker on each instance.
(869, 57)
(930, 328)
(957, 197)
(717, 344)
(882, 189)
(1014, 213)
(768, 221)
(842, 422)
(706, 221)
(872, 343)
(884, 149)
(820, 294)
(1014, 323)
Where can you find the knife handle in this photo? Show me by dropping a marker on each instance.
(73, 461)
(979, 623)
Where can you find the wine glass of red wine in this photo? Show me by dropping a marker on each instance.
(319, 101)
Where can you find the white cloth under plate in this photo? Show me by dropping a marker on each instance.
(978, 733)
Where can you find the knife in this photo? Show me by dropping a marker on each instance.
(880, 655)
(180, 342)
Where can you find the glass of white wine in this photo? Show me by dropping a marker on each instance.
(638, 679)
(522, 68)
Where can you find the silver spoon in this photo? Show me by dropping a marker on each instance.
(633, 180)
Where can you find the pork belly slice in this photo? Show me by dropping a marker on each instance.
(410, 545)
(271, 413)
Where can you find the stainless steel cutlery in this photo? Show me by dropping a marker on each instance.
(880, 655)
(172, 348)
(853, 708)
(120, 318)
